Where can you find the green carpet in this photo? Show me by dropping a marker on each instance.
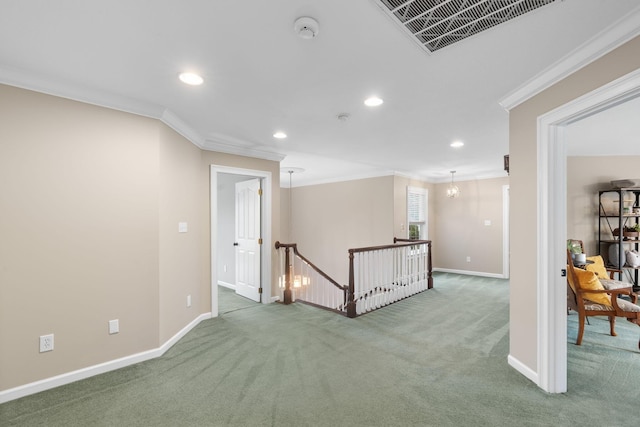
(438, 358)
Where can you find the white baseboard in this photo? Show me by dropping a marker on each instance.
(101, 368)
(275, 299)
(227, 285)
(471, 273)
(523, 369)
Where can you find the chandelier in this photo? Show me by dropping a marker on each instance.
(453, 190)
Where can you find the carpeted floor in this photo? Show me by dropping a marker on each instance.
(436, 359)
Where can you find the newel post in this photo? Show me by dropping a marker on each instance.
(287, 277)
(429, 267)
(287, 273)
(351, 304)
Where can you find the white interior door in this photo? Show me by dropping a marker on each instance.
(248, 241)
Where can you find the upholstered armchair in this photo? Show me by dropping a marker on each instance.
(587, 295)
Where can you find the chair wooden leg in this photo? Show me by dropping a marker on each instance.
(580, 329)
(612, 323)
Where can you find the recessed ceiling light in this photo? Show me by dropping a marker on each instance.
(457, 144)
(280, 135)
(191, 79)
(373, 101)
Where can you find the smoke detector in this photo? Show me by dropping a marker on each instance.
(306, 28)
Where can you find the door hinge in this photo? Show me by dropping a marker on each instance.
(259, 290)
(260, 241)
(260, 192)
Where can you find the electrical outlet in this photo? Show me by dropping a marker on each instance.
(188, 300)
(114, 326)
(468, 259)
(46, 343)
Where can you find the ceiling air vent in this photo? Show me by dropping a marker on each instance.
(439, 23)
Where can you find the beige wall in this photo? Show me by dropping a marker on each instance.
(79, 234)
(90, 206)
(461, 232)
(180, 258)
(523, 155)
(330, 219)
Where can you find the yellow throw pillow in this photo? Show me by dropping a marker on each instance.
(589, 281)
(570, 278)
(598, 267)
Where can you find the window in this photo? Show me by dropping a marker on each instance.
(417, 213)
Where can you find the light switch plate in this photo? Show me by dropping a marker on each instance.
(114, 326)
(183, 227)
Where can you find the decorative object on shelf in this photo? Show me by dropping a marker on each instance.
(625, 183)
(633, 258)
(631, 232)
(614, 258)
(575, 248)
(506, 163)
(453, 190)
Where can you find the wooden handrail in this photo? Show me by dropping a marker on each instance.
(309, 263)
(350, 300)
(395, 239)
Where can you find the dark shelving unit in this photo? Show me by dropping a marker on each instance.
(608, 222)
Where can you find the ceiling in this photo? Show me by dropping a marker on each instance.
(260, 77)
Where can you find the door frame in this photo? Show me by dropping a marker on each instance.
(506, 248)
(552, 223)
(265, 225)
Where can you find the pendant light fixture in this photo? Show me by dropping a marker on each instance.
(453, 190)
(291, 171)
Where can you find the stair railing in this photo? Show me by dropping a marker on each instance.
(378, 276)
(381, 275)
(303, 281)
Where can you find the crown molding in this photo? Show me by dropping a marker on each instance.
(223, 147)
(607, 40)
(176, 123)
(65, 89)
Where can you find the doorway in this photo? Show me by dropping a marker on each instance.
(223, 218)
(552, 227)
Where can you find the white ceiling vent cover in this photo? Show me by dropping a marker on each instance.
(439, 23)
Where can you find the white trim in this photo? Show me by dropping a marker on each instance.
(615, 35)
(506, 246)
(522, 368)
(470, 273)
(551, 247)
(176, 123)
(266, 248)
(229, 148)
(367, 175)
(69, 90)
(551, 285)
(101, 368)
(227, 285)
(64, 89)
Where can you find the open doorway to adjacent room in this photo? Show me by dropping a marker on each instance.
(240, 238)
